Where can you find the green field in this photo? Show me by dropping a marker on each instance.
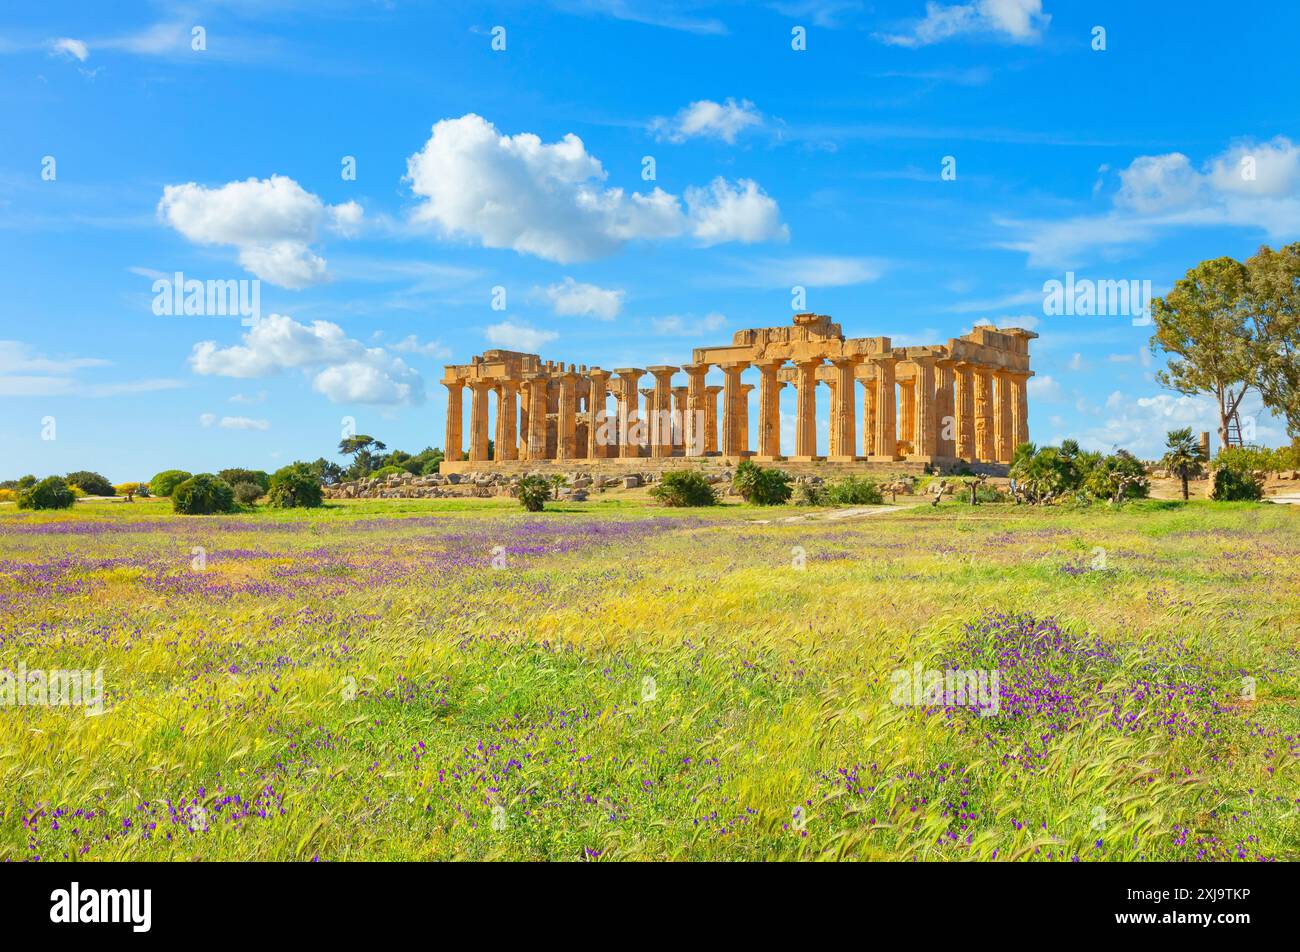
(443, 679)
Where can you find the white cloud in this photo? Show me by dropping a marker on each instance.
(249, 399)
(69, 47)
(547, 200)
(344, 370)
(708, 119)
(1017, 21)
(272, 222)
(512, 335)
(574, 299)
(410, 344)
(26, 373)
(233, 422)
(1140, 425)
(741, 213)
(1044, 387)
(1160, 194)
(690, 326)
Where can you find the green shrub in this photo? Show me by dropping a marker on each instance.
(50, 493)
(684, 487)
(25, 482)
(203, 495)
(92, 484)
(1117, 477)
(532, 492)
(1233, 485)
(247, 493)
(295, 486)
(808, 493)
(166, 481)
(854, 491)
(237, 475)
(762, 487)
(385, 471)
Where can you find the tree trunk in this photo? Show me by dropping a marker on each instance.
(1184, 475)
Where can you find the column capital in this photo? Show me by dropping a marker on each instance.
(595, 373)
(453, 384)
(733, 366)
(769, 365)
(662, 370)
(692, 370)
(713, 389)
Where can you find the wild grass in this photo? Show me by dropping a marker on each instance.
(612, 680)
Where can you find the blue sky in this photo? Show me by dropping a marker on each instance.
(524, 169)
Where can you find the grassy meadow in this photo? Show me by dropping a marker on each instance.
(611, 681)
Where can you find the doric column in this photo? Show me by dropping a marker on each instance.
(507, 446)
(733, 406)
(843, 412)
(597, 437)
(454, 448)
(886, 422)
(478, 421)
(943, 408)
(745, 390)
(868, 418)
(985, 450)
(964, 399)
(1002, 435)
(907, 412)
(694, 423)
(924, 431)
(711, 418)
(661, 416)
(832, 434)
(679, 419)
(566, 447)
(537, 385)
(805, 426)
(1019, 408)
(769, 409)
(627, 410)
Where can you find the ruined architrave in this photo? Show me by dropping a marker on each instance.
(941, 406)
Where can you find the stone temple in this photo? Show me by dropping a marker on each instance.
(941, 407)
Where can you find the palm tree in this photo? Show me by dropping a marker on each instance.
(1183, 456)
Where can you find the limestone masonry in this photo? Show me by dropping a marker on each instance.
(938, 406)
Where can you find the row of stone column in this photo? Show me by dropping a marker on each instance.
(946, 409)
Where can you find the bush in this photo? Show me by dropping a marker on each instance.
(203, 495)
(25, 482)
(247, 493)
(762, 487)
(392, 470)
(255, 476)
(295, 486)
(165, 482)
(854, 491)
(50, 493)
(8, 495)
(1117, 477)
(92, 484)
(132, 489)
(684, 487)
(1234, 485)
(808, 493)
(532, 492)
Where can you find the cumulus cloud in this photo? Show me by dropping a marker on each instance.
(410, 344)
(1140, 424)
(1250, 184)
(342, 369)
(233, 422)
(272, 222)
(571, 298)
(1044, 387)
(688, 326)
(513, 335)
(548, 200)
(1016, 21)
(708, 119)
(742, 212)
(67, 46)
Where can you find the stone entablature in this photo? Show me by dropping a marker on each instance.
(942, 405)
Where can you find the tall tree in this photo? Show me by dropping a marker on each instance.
(362, 449)
(1273, 293)
(1204, 325)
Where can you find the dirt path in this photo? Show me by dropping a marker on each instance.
(835, 515)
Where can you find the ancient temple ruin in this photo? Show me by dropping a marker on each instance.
(939, 406)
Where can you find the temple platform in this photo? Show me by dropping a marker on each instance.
(658, 464)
